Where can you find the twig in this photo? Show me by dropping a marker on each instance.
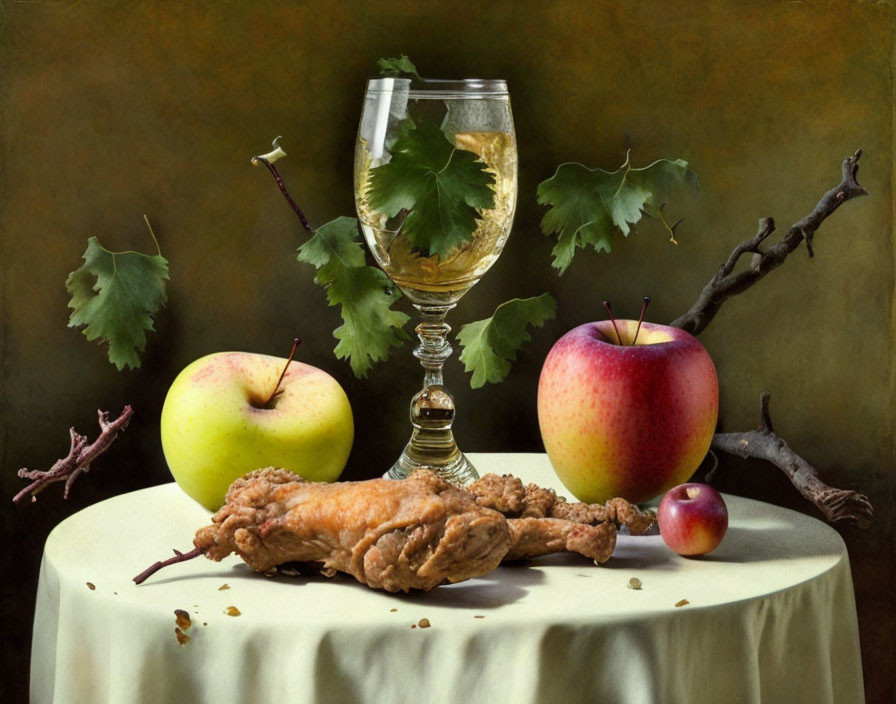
(764, 443)
(726, 283)
(79, 457)
(268, 161)
(178, 557)
(711, 472)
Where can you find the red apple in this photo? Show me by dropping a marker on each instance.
(693, 519)
(624, 419)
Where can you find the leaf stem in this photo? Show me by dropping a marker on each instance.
(627, 166)
(153, 235)
(669, 228)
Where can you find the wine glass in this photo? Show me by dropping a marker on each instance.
(474, 116)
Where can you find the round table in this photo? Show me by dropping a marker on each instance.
(769, 616)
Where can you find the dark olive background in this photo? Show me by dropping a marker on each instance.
(112, 110)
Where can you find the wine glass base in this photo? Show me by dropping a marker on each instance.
(457, 469)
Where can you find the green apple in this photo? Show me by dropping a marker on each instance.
(219, 422)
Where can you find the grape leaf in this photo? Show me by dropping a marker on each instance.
(588, 205)
(115, 295)
(397, 67)
(441, 187)
(364, 293)
(490, 345)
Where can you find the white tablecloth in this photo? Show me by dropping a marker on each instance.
(770, 617)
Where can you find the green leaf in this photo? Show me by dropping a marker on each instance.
(588, 205)
(398, 67)
(442, 188)
(115, 295)
(364, 293)
(338, 239)
(490, 345)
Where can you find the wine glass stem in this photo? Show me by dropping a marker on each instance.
(434, 348)
(432, 444)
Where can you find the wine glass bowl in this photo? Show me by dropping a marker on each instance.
(435, 192)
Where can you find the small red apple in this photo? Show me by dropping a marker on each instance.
(693, 519)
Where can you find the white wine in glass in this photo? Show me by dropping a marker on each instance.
(439, 134)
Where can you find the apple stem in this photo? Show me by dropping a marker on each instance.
(613, 320)
(641, 317)
(292, 352)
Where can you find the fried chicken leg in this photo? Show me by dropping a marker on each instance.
(415, 533)
(392, 535)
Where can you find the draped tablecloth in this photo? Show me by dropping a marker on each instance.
(770, 616)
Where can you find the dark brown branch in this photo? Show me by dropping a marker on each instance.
(78, 460)
(727, 283)
(178, 557)
(763, 443)
(276, 174)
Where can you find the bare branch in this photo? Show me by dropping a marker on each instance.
(763, 443)
(268, 161)
(79, 457)
(726, 283)
(766, 228)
